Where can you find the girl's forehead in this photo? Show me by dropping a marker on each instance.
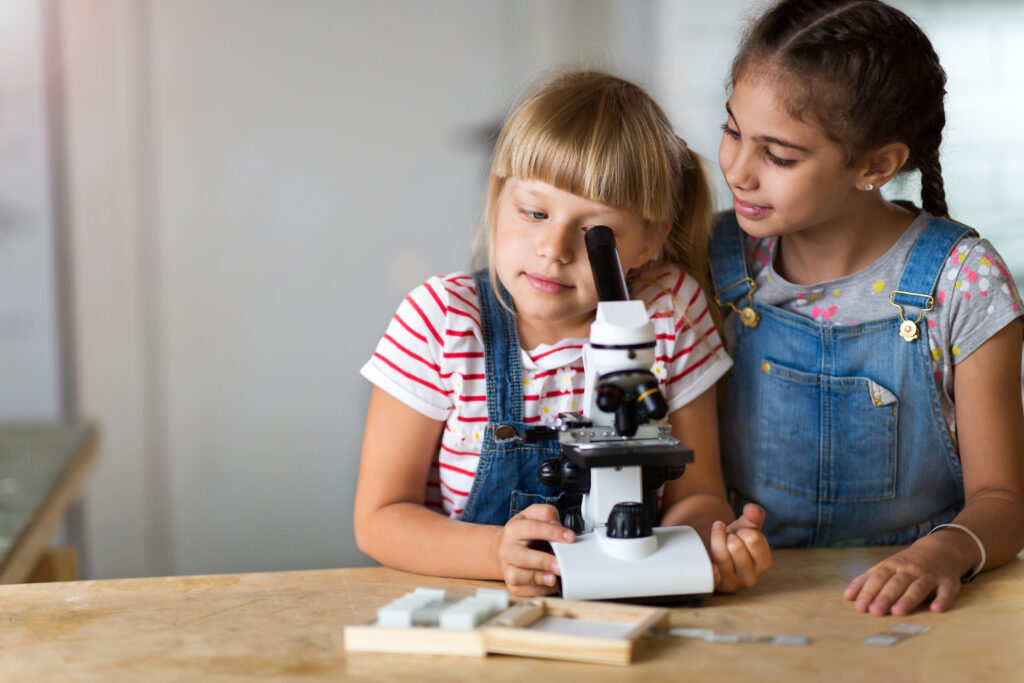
(541, 190)
(762, 107)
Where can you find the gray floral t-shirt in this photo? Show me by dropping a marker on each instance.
(975, 297)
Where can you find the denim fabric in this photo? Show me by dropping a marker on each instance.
(506, 477)
(837, 430)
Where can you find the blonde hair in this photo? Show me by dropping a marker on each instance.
(605, 139)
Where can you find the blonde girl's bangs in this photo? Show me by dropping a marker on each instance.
(593, 149)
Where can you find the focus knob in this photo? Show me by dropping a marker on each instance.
(550, 473)
(628, 520)
(573, 519)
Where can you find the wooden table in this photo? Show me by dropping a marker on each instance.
(43, 468)
(287, 626)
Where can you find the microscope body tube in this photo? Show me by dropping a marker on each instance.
(605, 264)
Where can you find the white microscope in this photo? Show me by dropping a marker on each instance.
(618, 460)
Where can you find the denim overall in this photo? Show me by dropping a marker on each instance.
(506, 476)
(837, 431)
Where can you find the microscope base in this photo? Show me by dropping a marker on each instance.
(679, 566)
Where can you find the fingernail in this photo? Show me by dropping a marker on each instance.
(549, 579)
(554, 567)
(568, 535)
(718, 525)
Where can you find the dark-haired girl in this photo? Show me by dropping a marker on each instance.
(876, 396)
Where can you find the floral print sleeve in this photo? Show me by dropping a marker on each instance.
(975, 298)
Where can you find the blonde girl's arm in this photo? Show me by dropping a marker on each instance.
(990, 432)
(738, 549)
(393, 526)
(697, 498)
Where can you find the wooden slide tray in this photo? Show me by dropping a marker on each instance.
(596, 632)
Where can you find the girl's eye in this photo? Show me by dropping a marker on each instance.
(778, 161)
(534, 215)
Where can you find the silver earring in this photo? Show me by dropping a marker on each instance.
(869, 186)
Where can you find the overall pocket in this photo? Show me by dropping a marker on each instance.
(825, 438)
(521, 500)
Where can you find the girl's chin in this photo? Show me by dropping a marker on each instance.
(544, 327)
(758, 229)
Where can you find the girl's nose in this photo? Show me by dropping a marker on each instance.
(557, 242)
(736, 166)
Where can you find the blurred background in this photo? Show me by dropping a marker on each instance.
(209, 210)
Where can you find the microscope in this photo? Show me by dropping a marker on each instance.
(618, 457)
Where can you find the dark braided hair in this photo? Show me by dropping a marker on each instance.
(863, 71)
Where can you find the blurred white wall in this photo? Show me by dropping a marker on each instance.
(253, 187)
(30, 360)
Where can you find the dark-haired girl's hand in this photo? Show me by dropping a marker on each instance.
(740, 553)
(897, 585)
(529, 572)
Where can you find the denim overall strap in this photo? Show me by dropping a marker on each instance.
(837, 430)
(501, 352)
(729, 274)
(919, 275)
(506, 476)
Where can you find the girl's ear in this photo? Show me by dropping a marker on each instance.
(881, 164)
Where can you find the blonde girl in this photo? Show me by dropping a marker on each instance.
(448, 484)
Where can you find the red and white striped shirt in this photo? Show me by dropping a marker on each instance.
(432, 358)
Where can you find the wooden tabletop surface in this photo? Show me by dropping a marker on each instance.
(288, 626)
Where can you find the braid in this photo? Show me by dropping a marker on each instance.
(925, 155)
(933, 192)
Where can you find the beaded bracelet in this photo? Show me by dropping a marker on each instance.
(981, 546)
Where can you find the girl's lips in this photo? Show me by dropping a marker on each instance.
(545, 284)
(749, 210)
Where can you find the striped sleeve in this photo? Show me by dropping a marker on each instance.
(690, 356)
(407, 362)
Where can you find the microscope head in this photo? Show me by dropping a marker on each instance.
(621, 337)
(613, 455)
(622, 342)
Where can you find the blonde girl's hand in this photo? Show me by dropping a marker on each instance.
(740, 553)
(529, 572)
(905, 580)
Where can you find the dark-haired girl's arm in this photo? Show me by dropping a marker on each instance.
(990, 433)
